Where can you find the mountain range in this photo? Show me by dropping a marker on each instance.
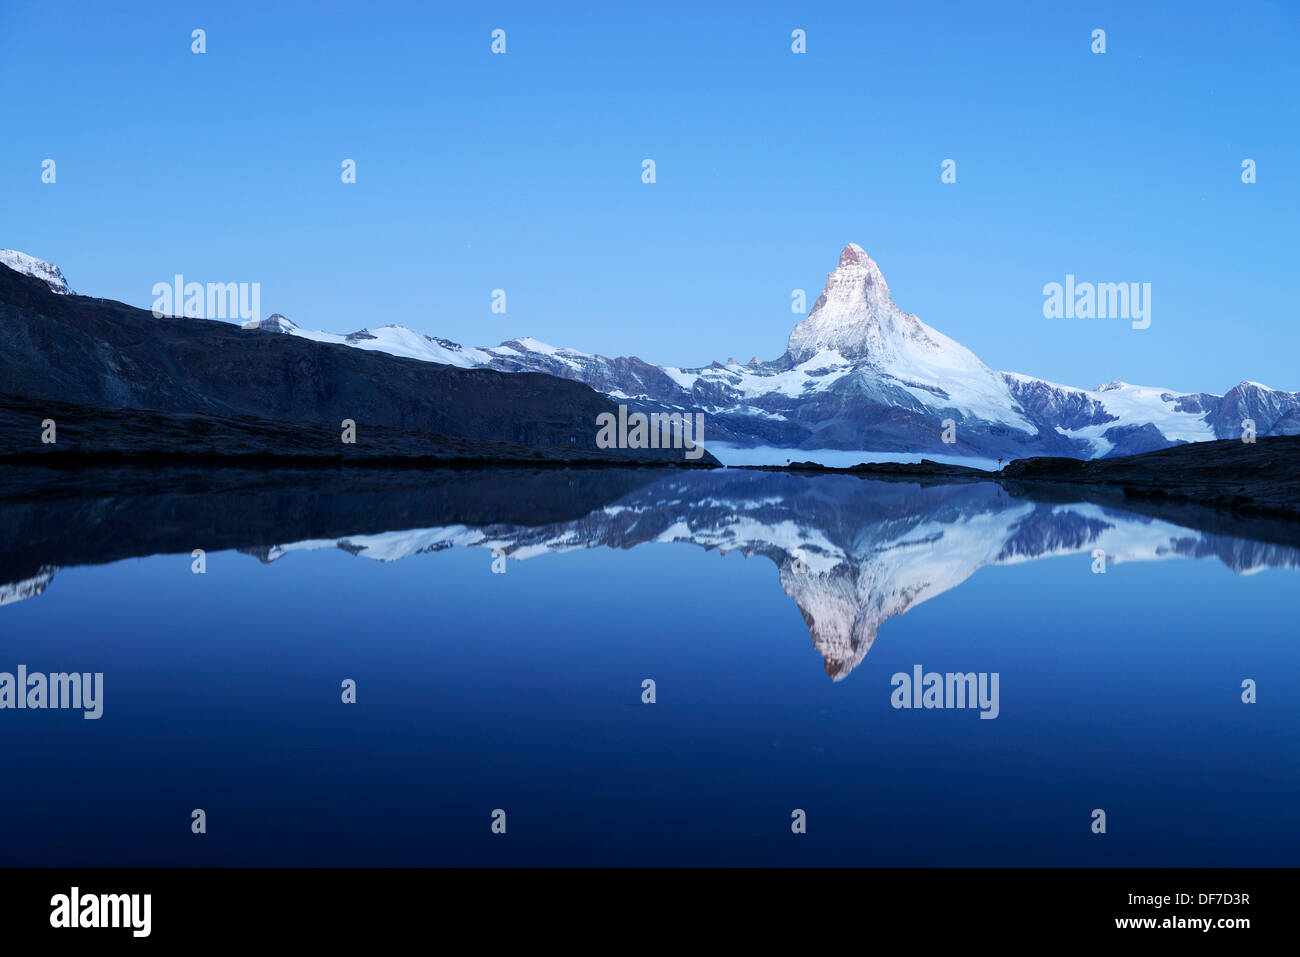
(857, 374)
(861, 374)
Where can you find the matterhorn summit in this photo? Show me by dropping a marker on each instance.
(855, 314)
(856, 320)
(48, 273)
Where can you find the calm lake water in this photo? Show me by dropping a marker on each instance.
(771, 611)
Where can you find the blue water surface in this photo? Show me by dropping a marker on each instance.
(522, 691)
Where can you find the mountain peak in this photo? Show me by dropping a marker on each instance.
(853, 253)
(48, 273)
(855, 314)
(275, 322)
(861, 267)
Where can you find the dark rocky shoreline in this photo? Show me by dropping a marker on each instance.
(90, 437)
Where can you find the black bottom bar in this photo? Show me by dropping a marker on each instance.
(653, 906)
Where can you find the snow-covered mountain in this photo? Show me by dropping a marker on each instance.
(31, 266)
(857, 374)
(856, 329)
(861, 374)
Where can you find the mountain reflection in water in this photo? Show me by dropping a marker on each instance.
(852, 553)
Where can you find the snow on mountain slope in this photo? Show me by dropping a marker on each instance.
(1088, 414)
(31, 266)
(400, 341)
(855, 314)
(820, 371)
(856, 318)
(857, 338)
(273, 323)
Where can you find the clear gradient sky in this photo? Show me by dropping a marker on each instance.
(523, 171)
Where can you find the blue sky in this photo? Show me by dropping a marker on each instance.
(523, 171)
